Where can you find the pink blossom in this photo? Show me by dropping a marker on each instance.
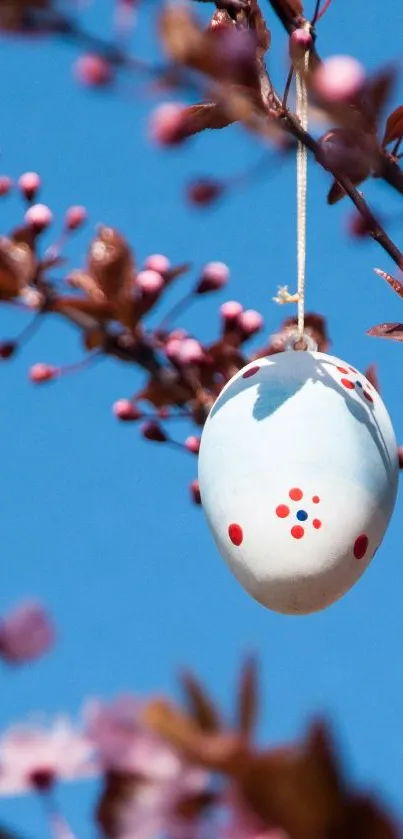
(93, 70)
(155, 809)
(214, 276)
(125, 409)
(35, 758)
(5, 185)
(190, 352)
(301, 38)
(150, 282)
(250, 322)
(75, 217)
(29, 184)
(25, 633)
(39, 216)
(43, 373)
(192, 444)
(123, 744)
(339, 78)
(231, 310)
(158, 262)
(166, 124)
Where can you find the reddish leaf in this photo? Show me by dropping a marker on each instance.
(111, 263)
(394, 126)
(198, 118)
(397, 285)
(394, 331)
(372, 377)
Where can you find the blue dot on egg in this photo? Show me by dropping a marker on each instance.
(358, 384)
(302, 515)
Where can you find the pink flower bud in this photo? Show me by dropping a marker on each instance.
(158, 262)
(75, 217)
(126, 410)
(153, 431)
(230, 312)
(190, 351)
(93, 70)
(214, 276)
(25, 634)
(195, 492)
(192, 444)
(301, 38)
(166, 124)
(250, 322)
(205, 191)
(172, 348)
(29, 184)
(339, 78)
(39, 216)
(150, 282)
(5, 185)
(43, 373)
(358, 226)
(7, 349)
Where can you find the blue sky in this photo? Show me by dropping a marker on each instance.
(97, 522)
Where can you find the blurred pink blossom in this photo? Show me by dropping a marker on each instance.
(339, 78)
(39, 216)
(35, 758)
(123, 744)
(29, 184)
(25, 633)
(157, 262)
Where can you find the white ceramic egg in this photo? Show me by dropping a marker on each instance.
(298, 473)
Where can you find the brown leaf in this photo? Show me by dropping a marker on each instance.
(298, 788)
(363, 818)
(161, 393)
(247, 699)
(17, 267)
(118, 790)
(258, 24)
(199, 704)
(181, 34)
(99, 310)
(394, 126)
(336, 192)
(221, 752)
(85, 283)
(394, 331)
(111, 263)
(378, 91)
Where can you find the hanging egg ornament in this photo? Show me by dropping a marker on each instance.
(298, 473)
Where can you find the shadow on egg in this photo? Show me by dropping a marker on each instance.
(268, 401)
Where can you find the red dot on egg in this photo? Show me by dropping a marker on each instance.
(235, 533)
(360, 546)
(317, 524)
(297, 531)
(353, 370)
(342, 370)
(282, 511)
(368, 396)
(251, 372)
(316, 499)
(295, 494)
(348, 384)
